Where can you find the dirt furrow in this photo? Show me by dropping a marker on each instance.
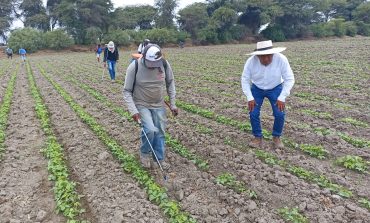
(272, 184)
(112, 195)
(355, 181)
(196, 191)
(325, 195)
(25, 192)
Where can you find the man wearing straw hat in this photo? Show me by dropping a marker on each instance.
(111, 57)
(267, 73)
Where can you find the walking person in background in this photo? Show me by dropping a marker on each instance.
(111, 57)
(9, 53)
(142, 45)
(267, 73)
(22, 52)
(98, 51)
(143, 93)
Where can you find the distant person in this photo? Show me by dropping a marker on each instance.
(111, 57)
(9, 53)
(22, 52)
(267, 74)
(98, 51)
(181, 44)
(142, 45)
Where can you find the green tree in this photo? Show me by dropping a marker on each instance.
(132, 17)
(166, 13)
(94, 35)
(297, 17)
(193, 18)
(328, 9)
(34, 14)
(362, 13)
(6, 9)
(76, 16)
(255, 13)
(347, 12)
(51, 11)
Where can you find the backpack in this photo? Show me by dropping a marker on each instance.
(137, 67)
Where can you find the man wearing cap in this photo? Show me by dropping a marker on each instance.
(142, 45)
(143, 93)
(267, 73)
(111, 57)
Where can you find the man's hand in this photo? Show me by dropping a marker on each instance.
(280, 105)
(136, 117)
(251, 105)
(175, 111)
(104, 64)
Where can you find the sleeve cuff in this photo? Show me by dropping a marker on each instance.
(281, 98)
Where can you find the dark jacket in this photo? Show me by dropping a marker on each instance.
(108, 55)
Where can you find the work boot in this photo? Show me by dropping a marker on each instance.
(145, 160)
(276, 143)
(256, 142)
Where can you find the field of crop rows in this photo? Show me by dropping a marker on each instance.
(69, 149)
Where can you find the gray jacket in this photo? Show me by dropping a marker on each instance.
(150, 87)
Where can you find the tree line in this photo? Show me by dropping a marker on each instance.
(211, 22)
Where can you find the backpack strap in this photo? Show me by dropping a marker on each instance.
(136, 68)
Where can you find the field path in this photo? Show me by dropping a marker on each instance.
(112, 195)
(25, 193)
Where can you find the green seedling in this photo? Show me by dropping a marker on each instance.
(230, 181)
(292, 215)
(353, 163)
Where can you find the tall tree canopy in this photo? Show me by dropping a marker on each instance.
(132, 17)
(193, 18)
(34, 14)
(6, 10)
(215, 21)
(166, 13)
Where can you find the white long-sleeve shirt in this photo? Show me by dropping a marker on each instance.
(267, 77)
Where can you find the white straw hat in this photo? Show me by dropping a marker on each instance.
(265, 48)
(111, 45)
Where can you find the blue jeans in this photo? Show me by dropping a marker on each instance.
(111, 68)
(254, 115)
(154, 124)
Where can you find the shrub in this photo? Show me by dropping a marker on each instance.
(338, 27)
(351, 28)
(225, 37)
(274, 33)
(162, 36)
(183, 36)
(321, 30)
(93, 35)
(239, 32)
(119, 37)
(58, 39)
(27, 38)
(207, 35)
(363, 28)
